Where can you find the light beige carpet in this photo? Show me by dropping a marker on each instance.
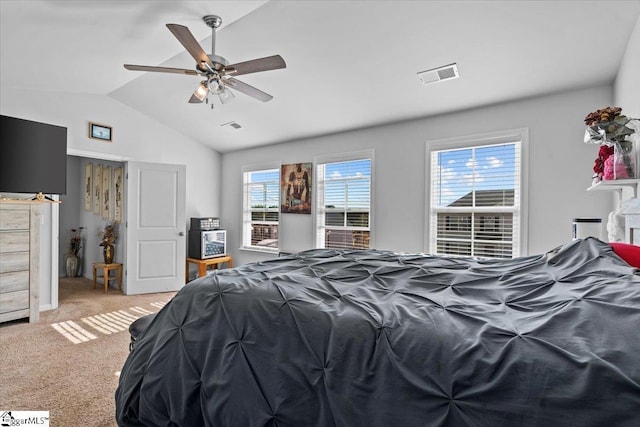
(70, 369)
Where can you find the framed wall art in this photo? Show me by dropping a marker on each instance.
(295, 187)
(101, 132)
(117, 196)
(88, 201)
(106, 192)
(97, 189)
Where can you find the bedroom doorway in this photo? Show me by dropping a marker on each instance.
(160, 203)
(82, 218)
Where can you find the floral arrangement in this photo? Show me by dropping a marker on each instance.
(109, 235)
(615, 133)
(75, 241)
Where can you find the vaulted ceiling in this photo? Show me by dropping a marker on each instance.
(350, 64)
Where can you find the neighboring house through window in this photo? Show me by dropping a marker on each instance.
(261, 209)
(476, 195)
(343, 202)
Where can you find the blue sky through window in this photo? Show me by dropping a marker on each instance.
(264, 189)
(348, 184)
(481, 168)
(344, 180)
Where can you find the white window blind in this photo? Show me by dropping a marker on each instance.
(475, 206)
(343, 209)
(261, 209)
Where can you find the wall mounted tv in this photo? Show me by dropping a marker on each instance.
(33, 157)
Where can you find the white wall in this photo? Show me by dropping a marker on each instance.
(136, 137)
(627, 85)
(69, 210)
(559, 171)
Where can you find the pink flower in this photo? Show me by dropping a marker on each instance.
(598, 166)
(605, 151)
(614, 170)
(608, 169)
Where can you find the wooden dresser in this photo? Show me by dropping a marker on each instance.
(19, 260)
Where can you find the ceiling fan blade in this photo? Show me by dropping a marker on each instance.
(190, 43)
(255, 65)
(248, 89)
(160, 69)
(195, 100)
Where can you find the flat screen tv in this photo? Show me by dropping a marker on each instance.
(33, 157)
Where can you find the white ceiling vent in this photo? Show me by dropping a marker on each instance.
(232, 124)
(439, 74)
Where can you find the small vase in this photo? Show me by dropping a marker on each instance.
(108, 253)
(79, 269)
(71, 265)
(624, 160)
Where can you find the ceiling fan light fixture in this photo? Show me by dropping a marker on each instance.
(215, 85)
(201, 91)
(226, 96)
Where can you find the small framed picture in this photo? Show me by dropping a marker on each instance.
(101, 132)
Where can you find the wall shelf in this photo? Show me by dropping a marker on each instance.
(616, 184)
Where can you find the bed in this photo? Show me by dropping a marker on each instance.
(378, 338)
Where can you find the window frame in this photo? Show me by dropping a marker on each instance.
(246, 208)
(520, 135)
(319, 209)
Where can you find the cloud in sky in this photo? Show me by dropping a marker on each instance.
(495, 162)
(484, 168)
(458, 179)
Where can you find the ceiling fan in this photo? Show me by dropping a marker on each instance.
(218, 74)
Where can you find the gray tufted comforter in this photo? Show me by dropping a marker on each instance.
(375, 338)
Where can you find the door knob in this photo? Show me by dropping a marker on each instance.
(181, 233)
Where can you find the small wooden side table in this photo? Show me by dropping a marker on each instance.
(204, 263)
(106, 268)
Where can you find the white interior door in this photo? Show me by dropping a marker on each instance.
(156, 241)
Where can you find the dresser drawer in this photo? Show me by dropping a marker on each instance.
(20, 260)
(14, 281)
(14, 301)
(14, 241)
(14, 219)
(16, 261)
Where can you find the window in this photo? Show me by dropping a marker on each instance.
(475, 206)
(343, 208)
(261, 209)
